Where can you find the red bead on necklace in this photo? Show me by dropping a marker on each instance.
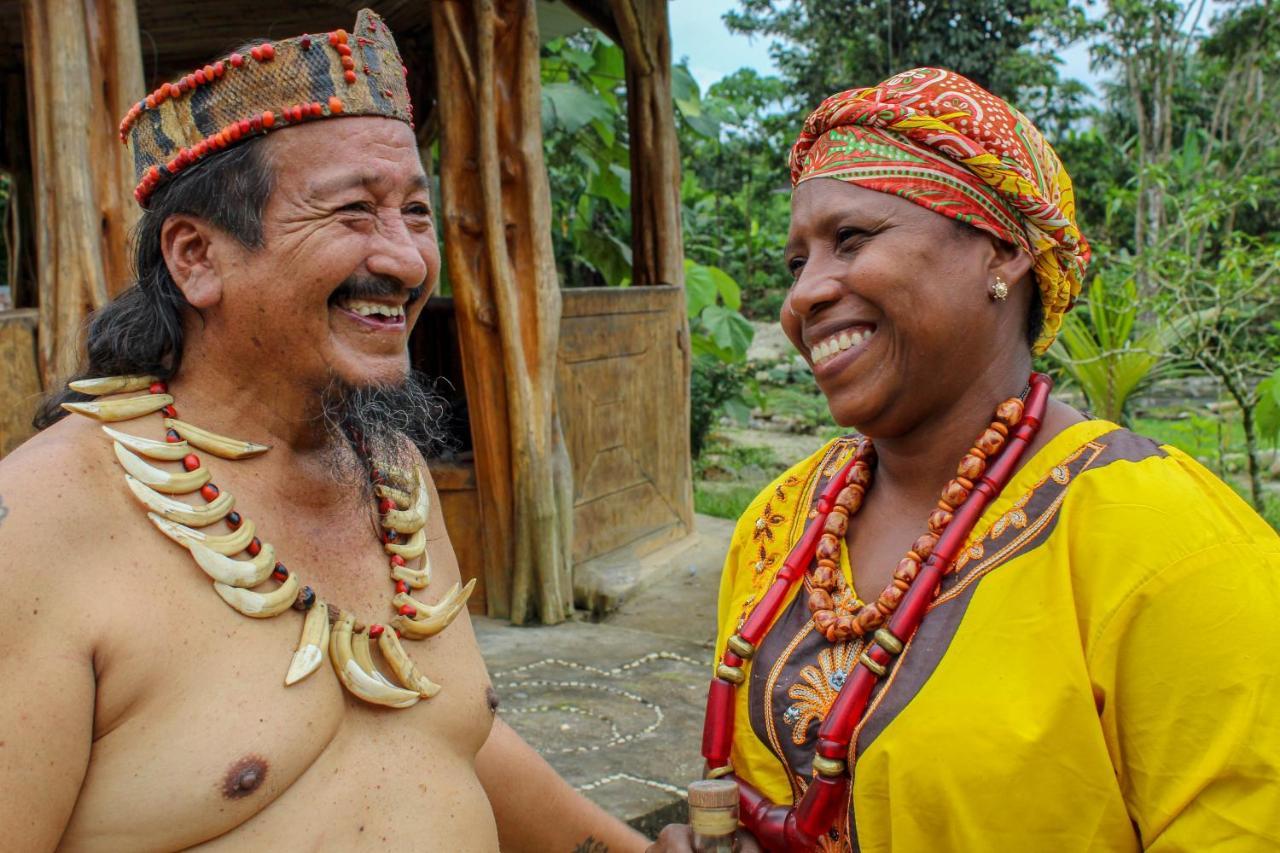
(892, 619)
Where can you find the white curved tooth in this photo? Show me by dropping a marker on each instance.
(431, 619)
(359, 683)
(311, 644)
(211, 442)
(844, 340)
(410, 548)
(169, 482)
(415, 578)
(241, 573)
(168, 451)
(361, 655)
(260, 605)
(120, 410)
(406, 671)
(113, 384)
(414, 518)
(225, 544)
(196, 516)
(402, 499)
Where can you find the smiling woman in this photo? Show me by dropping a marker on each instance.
(1018, 571)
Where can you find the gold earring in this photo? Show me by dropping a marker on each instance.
(999, 290)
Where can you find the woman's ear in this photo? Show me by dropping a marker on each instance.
(1008, 261)
(188, 244)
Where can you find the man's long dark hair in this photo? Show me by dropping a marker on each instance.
(140, 331)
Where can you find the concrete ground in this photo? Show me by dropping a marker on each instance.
(616, 706)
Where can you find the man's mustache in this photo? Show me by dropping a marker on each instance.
(373, 287)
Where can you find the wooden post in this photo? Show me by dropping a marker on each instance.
(74, 48)
(658, 246)
(498, 240)
(657, 243)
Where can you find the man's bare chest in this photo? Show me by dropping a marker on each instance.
(196, 734)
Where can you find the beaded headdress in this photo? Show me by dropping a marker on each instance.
(274, 85)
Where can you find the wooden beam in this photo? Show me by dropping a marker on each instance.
(83, 67)
(498, 241)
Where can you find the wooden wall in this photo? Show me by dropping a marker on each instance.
(20, 386)
(623, 398)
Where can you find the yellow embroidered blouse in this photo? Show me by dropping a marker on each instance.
(1101, 673)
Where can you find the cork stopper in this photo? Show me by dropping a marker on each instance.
(713, 793)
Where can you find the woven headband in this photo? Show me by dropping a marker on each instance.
(277, 84)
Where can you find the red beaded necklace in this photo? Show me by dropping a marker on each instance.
(893, 618)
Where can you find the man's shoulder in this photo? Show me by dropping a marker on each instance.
(57, 489)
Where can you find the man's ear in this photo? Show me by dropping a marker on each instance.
(189, 245)
(1012, 263)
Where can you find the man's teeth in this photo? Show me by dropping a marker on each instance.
(839, 343)
(376, 309)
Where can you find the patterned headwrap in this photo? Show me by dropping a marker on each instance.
(940, 140)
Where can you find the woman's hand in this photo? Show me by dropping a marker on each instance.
(678, 838)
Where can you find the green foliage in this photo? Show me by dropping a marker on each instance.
(1008, 46)
(584, 123)
(1268, 411)
(714, 386)
(1107, 354)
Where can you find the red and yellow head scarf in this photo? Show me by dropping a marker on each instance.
(940, 140)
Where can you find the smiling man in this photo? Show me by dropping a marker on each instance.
(246, 415)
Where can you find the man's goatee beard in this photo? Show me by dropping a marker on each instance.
(384, 424)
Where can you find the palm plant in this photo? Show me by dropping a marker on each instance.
(1109, 353)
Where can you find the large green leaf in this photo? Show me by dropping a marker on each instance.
(608, 255)
(728, 329)
(704, 283)
(568, 106)
(613, 185)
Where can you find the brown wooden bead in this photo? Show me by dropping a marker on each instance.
(891, 597)
(824, 577)
(828, 547)
(837, 524)
(844, 629)
(924, 545)
(850, 498)
(1009, 412)
(971, 467)
(938, 521)
(866, 451)
(1000, 428)
(990, 442)
(868, 619)
(830, 564)
(903, 585)
(820, 599)
(907, 570)
(824, 619)
(955, 493)
(859, 475)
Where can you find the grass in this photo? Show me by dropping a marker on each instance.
(723, 500)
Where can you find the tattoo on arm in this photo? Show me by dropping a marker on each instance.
(591, 846)
(4, 510)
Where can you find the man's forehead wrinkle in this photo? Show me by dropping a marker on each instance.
(368, 179)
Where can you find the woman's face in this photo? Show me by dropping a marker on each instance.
(890, 307)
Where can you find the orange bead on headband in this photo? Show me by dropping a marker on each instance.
(265, 88)
(940, 140)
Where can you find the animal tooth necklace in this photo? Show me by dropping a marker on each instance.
(403, 504)
(892, 619)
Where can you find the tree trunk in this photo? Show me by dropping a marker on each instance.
(498, 240)
(1251, 455)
